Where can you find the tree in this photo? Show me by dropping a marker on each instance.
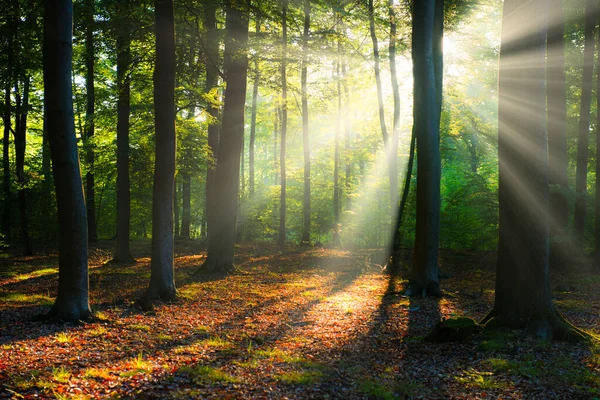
(122, 252)
(522, 296)
(284, 119)
(227, 174)
(584, 121)
(89, 119)
(72, 302)
(392, 150)
(211, 80)
(305, 132)
(162, 279)
(557, 129)
(426, 50)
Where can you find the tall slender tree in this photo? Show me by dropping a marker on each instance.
(211, 82)
(72, 301)
(427, 106)
(305, 127)
(227, 174)
(162, 279)
(251, 145)
(21, 112)
(284, 118)
(89, 119)
(557, 129)
(522, 296)
(392, 150)
(584, 121)
(123, 33)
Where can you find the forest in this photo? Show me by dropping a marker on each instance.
(358, 199)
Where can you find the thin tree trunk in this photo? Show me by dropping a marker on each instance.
(175, 210)
(336, 155)
(20, 146)
(597, 222)
(5, 149)
(305, 127)
(557, 132)
(89, 120)
(72, 301)
(347, 156)
(221, 244)
(276, 127)
(377, 74)
(282, 206)
(253, 124)
(393, 143)
(212, 76)
(162, 279)
(424, 279)
(122, 252)
(186, 206)
(584, 123)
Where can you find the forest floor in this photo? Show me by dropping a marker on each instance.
(310, 323)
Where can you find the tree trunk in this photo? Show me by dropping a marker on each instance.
(424, 279)
(305, 132)
(5, 150)
(20, 146)
(89, 120)
(122, 252)
(377, 74)
(175, 210)
(72, 301)
(282, 206)
(276, 127)
(186, 209)
(584, 123)
(597, 222)
(253, 122)
(392, 149)
(162, 279)
(227, 178)
(212, 76)
(522, 296)
(557, 132)
(337, 240)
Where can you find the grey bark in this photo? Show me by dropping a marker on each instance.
(162, 279)
(584, 122)
(284, 115)
(227, 177)
(425, 276)
(72, 301)
(305, 127)
(122, 252)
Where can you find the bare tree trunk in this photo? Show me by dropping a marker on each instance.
(424, 278)
(186, 206)
(72, 301)
(253, 121)
(522, 296)
(122, 251)
(20, 146)
(282, 206)
(597, 222)
(337, 240)
(175, 210)
(212, 76)
(89, 120)
(305, 131)
(162, 279)
(393, 143)
(221, 244)
(584, 123)
(557, 132)
(5, 146)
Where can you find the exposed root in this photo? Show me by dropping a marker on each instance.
(432, 288)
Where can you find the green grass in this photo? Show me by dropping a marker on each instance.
(24, 298)
(302, 377)
(204, 374)
(61, 375)
(64, 337)
(140, 327)
(96, 373)
(481, 380)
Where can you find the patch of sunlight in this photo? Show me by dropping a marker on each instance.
(301, 378)
(138, 365)
(97, 331)
(527, 369)
(477, 379)
(36, 274)
(190, 292)
(163, 337)
(217, 342)
(140, 327)
(64, 337)
(24, 298)
(97, 373)
(573, 304)
(61, 375)
(203, 374)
